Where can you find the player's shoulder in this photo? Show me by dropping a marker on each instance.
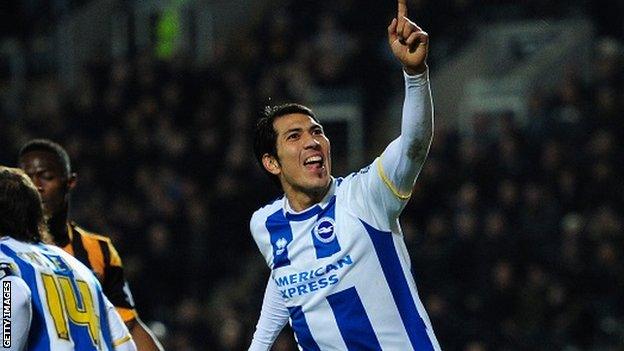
(89, 235)
(343, 183)
(11, 274)
(93, 240)
(8, 249)
(74, 264)
(47, 248)
(355, 175)
(12, 244)
(261, 214)
(259, 218)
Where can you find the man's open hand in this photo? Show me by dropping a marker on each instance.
(408, 41)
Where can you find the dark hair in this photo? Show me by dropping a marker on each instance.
(265, 136)
(51, 147)
(21, 211)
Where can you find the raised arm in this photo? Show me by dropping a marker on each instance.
(403, 158)
(409, 43)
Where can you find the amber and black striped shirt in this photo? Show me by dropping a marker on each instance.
(98, 253)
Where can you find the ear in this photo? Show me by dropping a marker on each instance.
(271, 164)
(72, 180)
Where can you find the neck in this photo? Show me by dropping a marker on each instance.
(300, 200)
(57, 225)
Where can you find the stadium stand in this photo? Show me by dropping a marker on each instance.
(515, 226)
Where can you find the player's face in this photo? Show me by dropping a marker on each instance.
(303, 153)
(49, 178)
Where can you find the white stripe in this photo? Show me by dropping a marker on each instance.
(302, 246)
(323, 327)
(399, 245)
(378, 302)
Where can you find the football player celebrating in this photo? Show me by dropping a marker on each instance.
(340, 270)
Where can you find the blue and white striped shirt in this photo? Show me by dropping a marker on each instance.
(57, 302)
(341, 267)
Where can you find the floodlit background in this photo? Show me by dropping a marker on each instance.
(515, 227)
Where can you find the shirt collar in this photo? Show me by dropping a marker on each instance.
(311, 211)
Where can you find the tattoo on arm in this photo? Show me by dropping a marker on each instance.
(418, 149)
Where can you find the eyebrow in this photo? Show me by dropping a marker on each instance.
(39, 171)
(300, 129)
(297, 129)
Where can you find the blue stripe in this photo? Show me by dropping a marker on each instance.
(311, 212)
(298, 217)
(38, 339)
(281, 236)
(353, 323)
(393, 271)
(108, 338)
(301, 329)
(80, 335)
(323, 248)
(79, 332)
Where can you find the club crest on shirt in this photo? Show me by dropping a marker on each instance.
(324, 229)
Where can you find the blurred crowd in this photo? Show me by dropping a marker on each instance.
(515, 231)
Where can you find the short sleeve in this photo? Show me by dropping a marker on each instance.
(116, 287)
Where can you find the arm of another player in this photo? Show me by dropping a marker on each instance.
(143, 337)
(403, 158)
(122, 339)
(117, 290)
(21, 312)
(273, 317)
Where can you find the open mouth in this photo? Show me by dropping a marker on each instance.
(314, 162)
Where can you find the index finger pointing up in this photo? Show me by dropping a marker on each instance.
(402, 9)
